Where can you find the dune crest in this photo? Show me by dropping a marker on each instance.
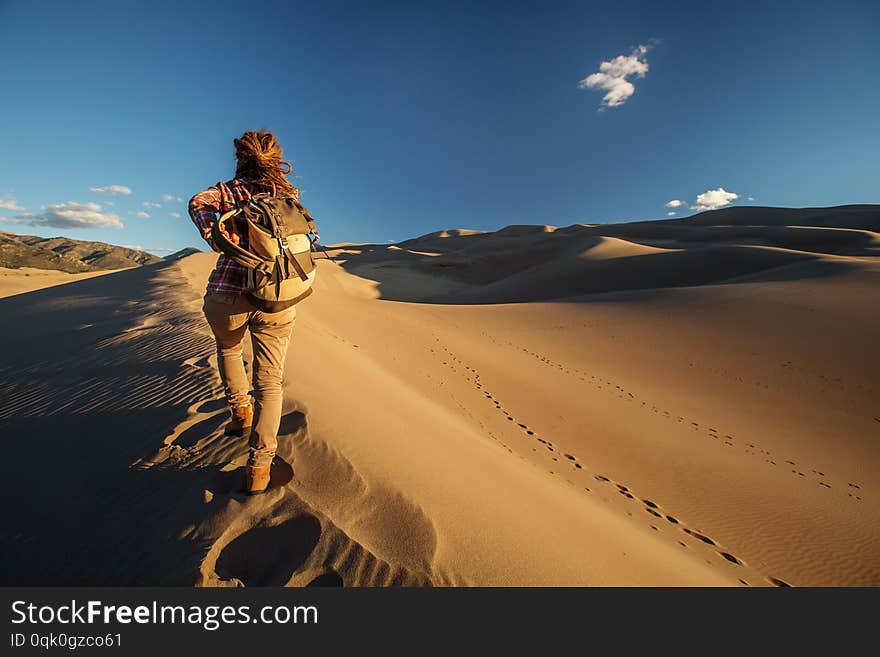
(537, 263)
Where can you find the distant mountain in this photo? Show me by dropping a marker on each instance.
(177, 255)
(68, 255)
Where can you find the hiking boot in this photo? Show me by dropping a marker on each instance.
(256, 479)
(242, 418)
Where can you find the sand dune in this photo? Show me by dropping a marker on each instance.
(536, 263)
(26, 279)
(582, 405)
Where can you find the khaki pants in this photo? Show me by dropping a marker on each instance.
(230, 316)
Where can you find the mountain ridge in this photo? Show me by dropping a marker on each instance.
(68, 255)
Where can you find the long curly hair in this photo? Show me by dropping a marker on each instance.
(259, 160)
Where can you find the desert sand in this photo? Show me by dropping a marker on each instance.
(25, 279)
(686, 403)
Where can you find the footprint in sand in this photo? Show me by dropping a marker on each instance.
(778, 582)
(650, 506)
(200, 431)
(329, 579)
(731, 558)
(269, 555)
(699, 536)
(292, 423)
(212, 406)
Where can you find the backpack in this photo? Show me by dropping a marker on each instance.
(279, 263)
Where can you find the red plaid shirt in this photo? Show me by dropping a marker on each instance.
(228, 276)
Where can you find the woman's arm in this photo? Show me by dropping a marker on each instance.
(203, 210)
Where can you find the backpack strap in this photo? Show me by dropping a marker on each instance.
(307, 216)
(228, 248)
(291, 258)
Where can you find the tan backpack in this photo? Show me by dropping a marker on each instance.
(280, 237)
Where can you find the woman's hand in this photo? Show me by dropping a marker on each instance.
(232, 237)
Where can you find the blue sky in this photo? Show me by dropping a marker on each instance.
(404, 118)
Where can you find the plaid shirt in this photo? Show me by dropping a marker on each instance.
(228, 276)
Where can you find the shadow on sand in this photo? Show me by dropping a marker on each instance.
(78, 418)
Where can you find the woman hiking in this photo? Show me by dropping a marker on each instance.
(260, 168)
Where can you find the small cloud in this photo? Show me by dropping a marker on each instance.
(176, 215)
(148, 204)
(112, 189)
(714, 199)
(141, 215)
(169, 197)
(674, 203)
(750, 198)
(155, 250)
(70, 215)
(109, 203)
(10, 203)
(669, 214)
(612, 77)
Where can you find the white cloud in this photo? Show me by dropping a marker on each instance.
(750, 198)
(112, 189)
(176, 215)
(141, 215)
(70, 215)
(714, 199)
(670, 214)
(10, 204)
(171, 197)
(612, 77)
(148, 204)
(154, 250)
(674, 203)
